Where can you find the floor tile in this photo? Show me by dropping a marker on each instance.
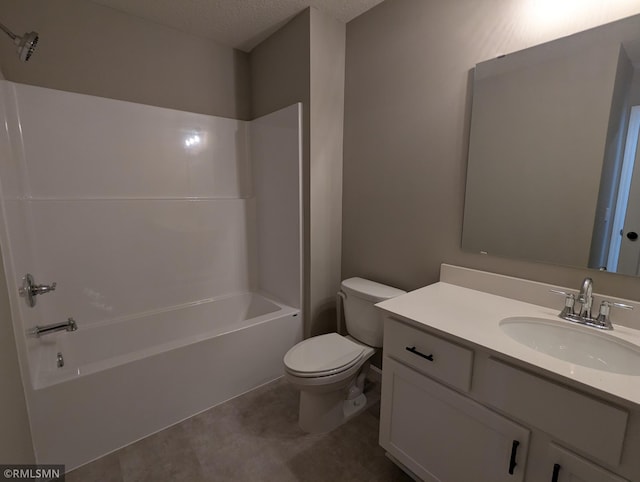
(105, 469)
(254, 437)
(165, 456)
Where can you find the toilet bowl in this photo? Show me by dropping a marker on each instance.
(330, 370)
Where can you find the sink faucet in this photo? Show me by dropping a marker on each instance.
(586, 298)
(584, 314)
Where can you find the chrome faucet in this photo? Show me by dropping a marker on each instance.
(584, 315)
(69, 325)
(30, 289)
(585, 298)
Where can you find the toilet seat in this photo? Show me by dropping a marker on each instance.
(324, 355)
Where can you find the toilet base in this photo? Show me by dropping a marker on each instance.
(328, 402)
(324, 412)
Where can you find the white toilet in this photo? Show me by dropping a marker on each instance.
(330, 370)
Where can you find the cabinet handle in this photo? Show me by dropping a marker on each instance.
(413, 350)
(556, 472)
(514, 451)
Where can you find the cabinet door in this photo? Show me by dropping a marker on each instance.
(566, 466)
(443, 436)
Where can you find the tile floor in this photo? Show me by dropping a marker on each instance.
(254, 437)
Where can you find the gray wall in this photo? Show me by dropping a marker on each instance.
(328, 42)
(279, 69)
(304, 62)
(91, 49)
(407, 112)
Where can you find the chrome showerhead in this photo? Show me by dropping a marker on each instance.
(26, 44)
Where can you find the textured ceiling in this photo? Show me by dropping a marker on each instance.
(242, 24)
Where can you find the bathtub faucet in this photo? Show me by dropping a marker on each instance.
(69, 325)
(30, 289)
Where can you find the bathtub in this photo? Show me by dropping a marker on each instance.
(127, 378)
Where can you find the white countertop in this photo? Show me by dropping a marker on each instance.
(474, 316)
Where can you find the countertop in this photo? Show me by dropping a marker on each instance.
(474, 316)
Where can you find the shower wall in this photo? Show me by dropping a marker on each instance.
(277, 178)
(134, 209)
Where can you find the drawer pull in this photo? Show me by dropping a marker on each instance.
(556, 472)
(514, 451)
(413, 350)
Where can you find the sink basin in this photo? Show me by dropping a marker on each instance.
(575, 344)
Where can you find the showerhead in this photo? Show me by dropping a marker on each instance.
(26, 44)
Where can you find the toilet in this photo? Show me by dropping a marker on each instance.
(330, 370)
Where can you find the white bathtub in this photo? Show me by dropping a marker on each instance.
(105, 345)
(125, 379)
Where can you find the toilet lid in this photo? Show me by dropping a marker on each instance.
(322, 355)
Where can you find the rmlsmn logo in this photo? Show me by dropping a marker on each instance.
(30, 473)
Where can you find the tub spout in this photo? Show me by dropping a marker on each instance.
(69, 325)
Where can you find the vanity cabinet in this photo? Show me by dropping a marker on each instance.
(588, 424)
(455, 413)
(427, 426)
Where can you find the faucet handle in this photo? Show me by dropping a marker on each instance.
(603, 315)
(621, 305)
(569, 302)
(605, 308)
(30, 289)
(42, 289)
(568, 296)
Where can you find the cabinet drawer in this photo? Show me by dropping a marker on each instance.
(586, 423)
(567, 466)
(429, 354)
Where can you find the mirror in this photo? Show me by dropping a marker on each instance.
(552, 152)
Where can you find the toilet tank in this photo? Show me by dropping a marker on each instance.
(362, 319)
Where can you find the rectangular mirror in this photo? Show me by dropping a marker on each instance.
(552, 175)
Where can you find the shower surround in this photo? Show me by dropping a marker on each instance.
(174, 239)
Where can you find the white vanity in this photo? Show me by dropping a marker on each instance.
(477, 387)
